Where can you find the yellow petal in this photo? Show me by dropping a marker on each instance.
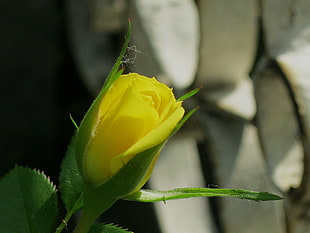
(157, 135)
(126, 123)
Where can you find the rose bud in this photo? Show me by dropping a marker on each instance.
(135, 114)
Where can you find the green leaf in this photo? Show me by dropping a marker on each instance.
(70, 182)
(153, 196)
(28, 202)
(189, 94)
(107, 228)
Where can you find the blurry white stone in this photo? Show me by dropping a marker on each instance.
(279, 131)
(285, 25)
(250, 173)
(289, 170)
(228, 41)
(238, 163)
(296, 66)
(178, 167)
(238, 100)
(171, 28)
(288, 41)
(227, 52)
(287, 38)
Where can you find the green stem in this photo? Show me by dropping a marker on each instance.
(95, 204)
(64, 222)
(85, 223)
(89, 216)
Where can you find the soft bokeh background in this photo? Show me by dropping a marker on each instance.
(252, 131)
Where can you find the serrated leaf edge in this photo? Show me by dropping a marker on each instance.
(39, 172)
(116, 225)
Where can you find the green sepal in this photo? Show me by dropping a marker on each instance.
(130, 177)
(97, 199)
(127, 180)
(144, 195)
(189, 94)
(73, 122)
(84, 131)
(116, 72)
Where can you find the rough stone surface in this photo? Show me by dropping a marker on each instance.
(279, 131)
(228, 41)
(238, 162)
(227, 51)
(288, 41)
(172, 30)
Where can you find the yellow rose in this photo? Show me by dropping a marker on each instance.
(135, 114)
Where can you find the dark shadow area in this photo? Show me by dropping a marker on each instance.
(39, 88)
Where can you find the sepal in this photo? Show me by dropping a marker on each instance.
(84, 131)
(133, 175)
(144, 195)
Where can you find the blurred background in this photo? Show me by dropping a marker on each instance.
(252, 131)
